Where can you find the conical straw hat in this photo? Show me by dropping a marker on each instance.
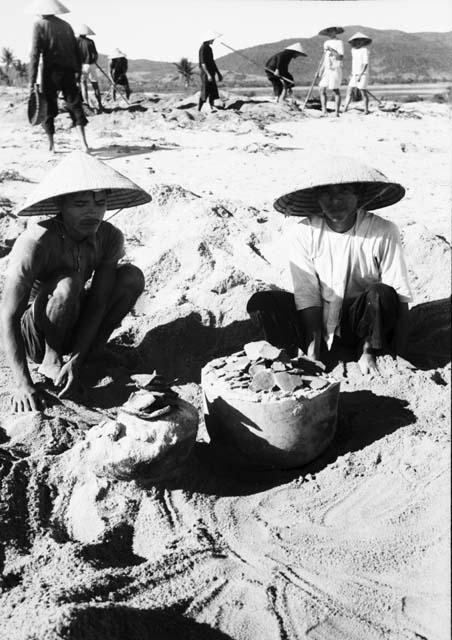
(117, 53)
(329, 30)
(84, 30)
(82, 172)
(360, 36)
(296, 46)
(48, 8)
(375, 190)
(210, 35)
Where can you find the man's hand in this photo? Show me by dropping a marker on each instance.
(27, 398)
(220, 77)
(368, 364)
(68, 377)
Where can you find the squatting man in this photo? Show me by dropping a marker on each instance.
(349, 276)
(65, 290)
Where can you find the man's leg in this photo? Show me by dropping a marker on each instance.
(275, 313)
(97, 94)
(366, 101)
(348, 98)
(371, 320)
(73, 99)
(55, 311)
(50, 92)
(323, 100)
(337, 100)
(129, 285)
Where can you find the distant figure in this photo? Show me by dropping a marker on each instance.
(208, 70)
(89, 56)
(359, 79)
(277, 70)
(118, 71)
(65, 289)
(54, 40)
(331, 70)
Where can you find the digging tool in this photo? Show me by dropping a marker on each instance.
(311, 88)
(114, 86)
(382, 104)
(256, 64)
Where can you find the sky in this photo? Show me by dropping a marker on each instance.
(170, 29)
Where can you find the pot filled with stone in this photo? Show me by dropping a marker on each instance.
(264, 409)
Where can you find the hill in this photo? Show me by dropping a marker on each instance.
(397, 57)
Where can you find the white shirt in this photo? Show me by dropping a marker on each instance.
(330, 58)
(328, 267)
(360, 57)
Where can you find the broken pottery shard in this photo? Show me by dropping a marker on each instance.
(242, 363)
(318, 383)
(142, 379)
(255, 368)
(263, 381)
(139, 401)
(278, 366)
(261, 349)
(288, 382)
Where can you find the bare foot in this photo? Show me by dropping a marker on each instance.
(50, 370)
(368, 364)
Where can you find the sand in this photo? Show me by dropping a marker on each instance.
(353, 546)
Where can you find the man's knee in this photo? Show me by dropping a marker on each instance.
(131, 279)
(66, 288)
(380, 292)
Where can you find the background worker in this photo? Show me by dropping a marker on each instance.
(89, 56)
(209, 71)
(118, 72)
(277, 70)
(54, 40)
(359, 79)
(330, 72)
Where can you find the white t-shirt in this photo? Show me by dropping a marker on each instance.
(338, 46)
(360, 57)
(328, 267)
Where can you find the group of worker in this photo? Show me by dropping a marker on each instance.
(62, 62)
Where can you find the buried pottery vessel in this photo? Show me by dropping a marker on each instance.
(269, 428)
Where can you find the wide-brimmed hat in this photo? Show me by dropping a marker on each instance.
(329, 30)
(117, 53)
(210, 35)
(84, 30)
(82, 172)
(36, 107)
(296, 46)
(360, 36)
(47, 8)
(375, 190)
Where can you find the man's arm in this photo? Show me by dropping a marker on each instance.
(35, 53)
(206, 71)
(311, 325)
(93, 312)
(14, 304)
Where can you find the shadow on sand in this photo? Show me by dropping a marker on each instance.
(130, 623)
(111, 151)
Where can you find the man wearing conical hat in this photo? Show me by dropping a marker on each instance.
(48, 310)
(350, 283)
(209, 73)
(54, 40)
(89, 56)
(118, 71)
(277, 70)
(359, 79)
(330, 72)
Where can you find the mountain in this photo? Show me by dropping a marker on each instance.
(396, 56)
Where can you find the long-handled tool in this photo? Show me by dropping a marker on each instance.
(257, 64)
(114, 86)
(384, 105)
(311, 88)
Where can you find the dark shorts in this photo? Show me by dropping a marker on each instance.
(55, 80)
(209, 89)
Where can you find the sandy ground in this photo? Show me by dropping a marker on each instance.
(355, 546)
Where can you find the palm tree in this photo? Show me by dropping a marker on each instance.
(186, 70)
(21, 69)
(7, 57)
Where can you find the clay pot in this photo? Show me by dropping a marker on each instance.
(283, 433)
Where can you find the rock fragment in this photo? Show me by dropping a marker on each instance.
(261, 349)
(263, 381)
(288, 382)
